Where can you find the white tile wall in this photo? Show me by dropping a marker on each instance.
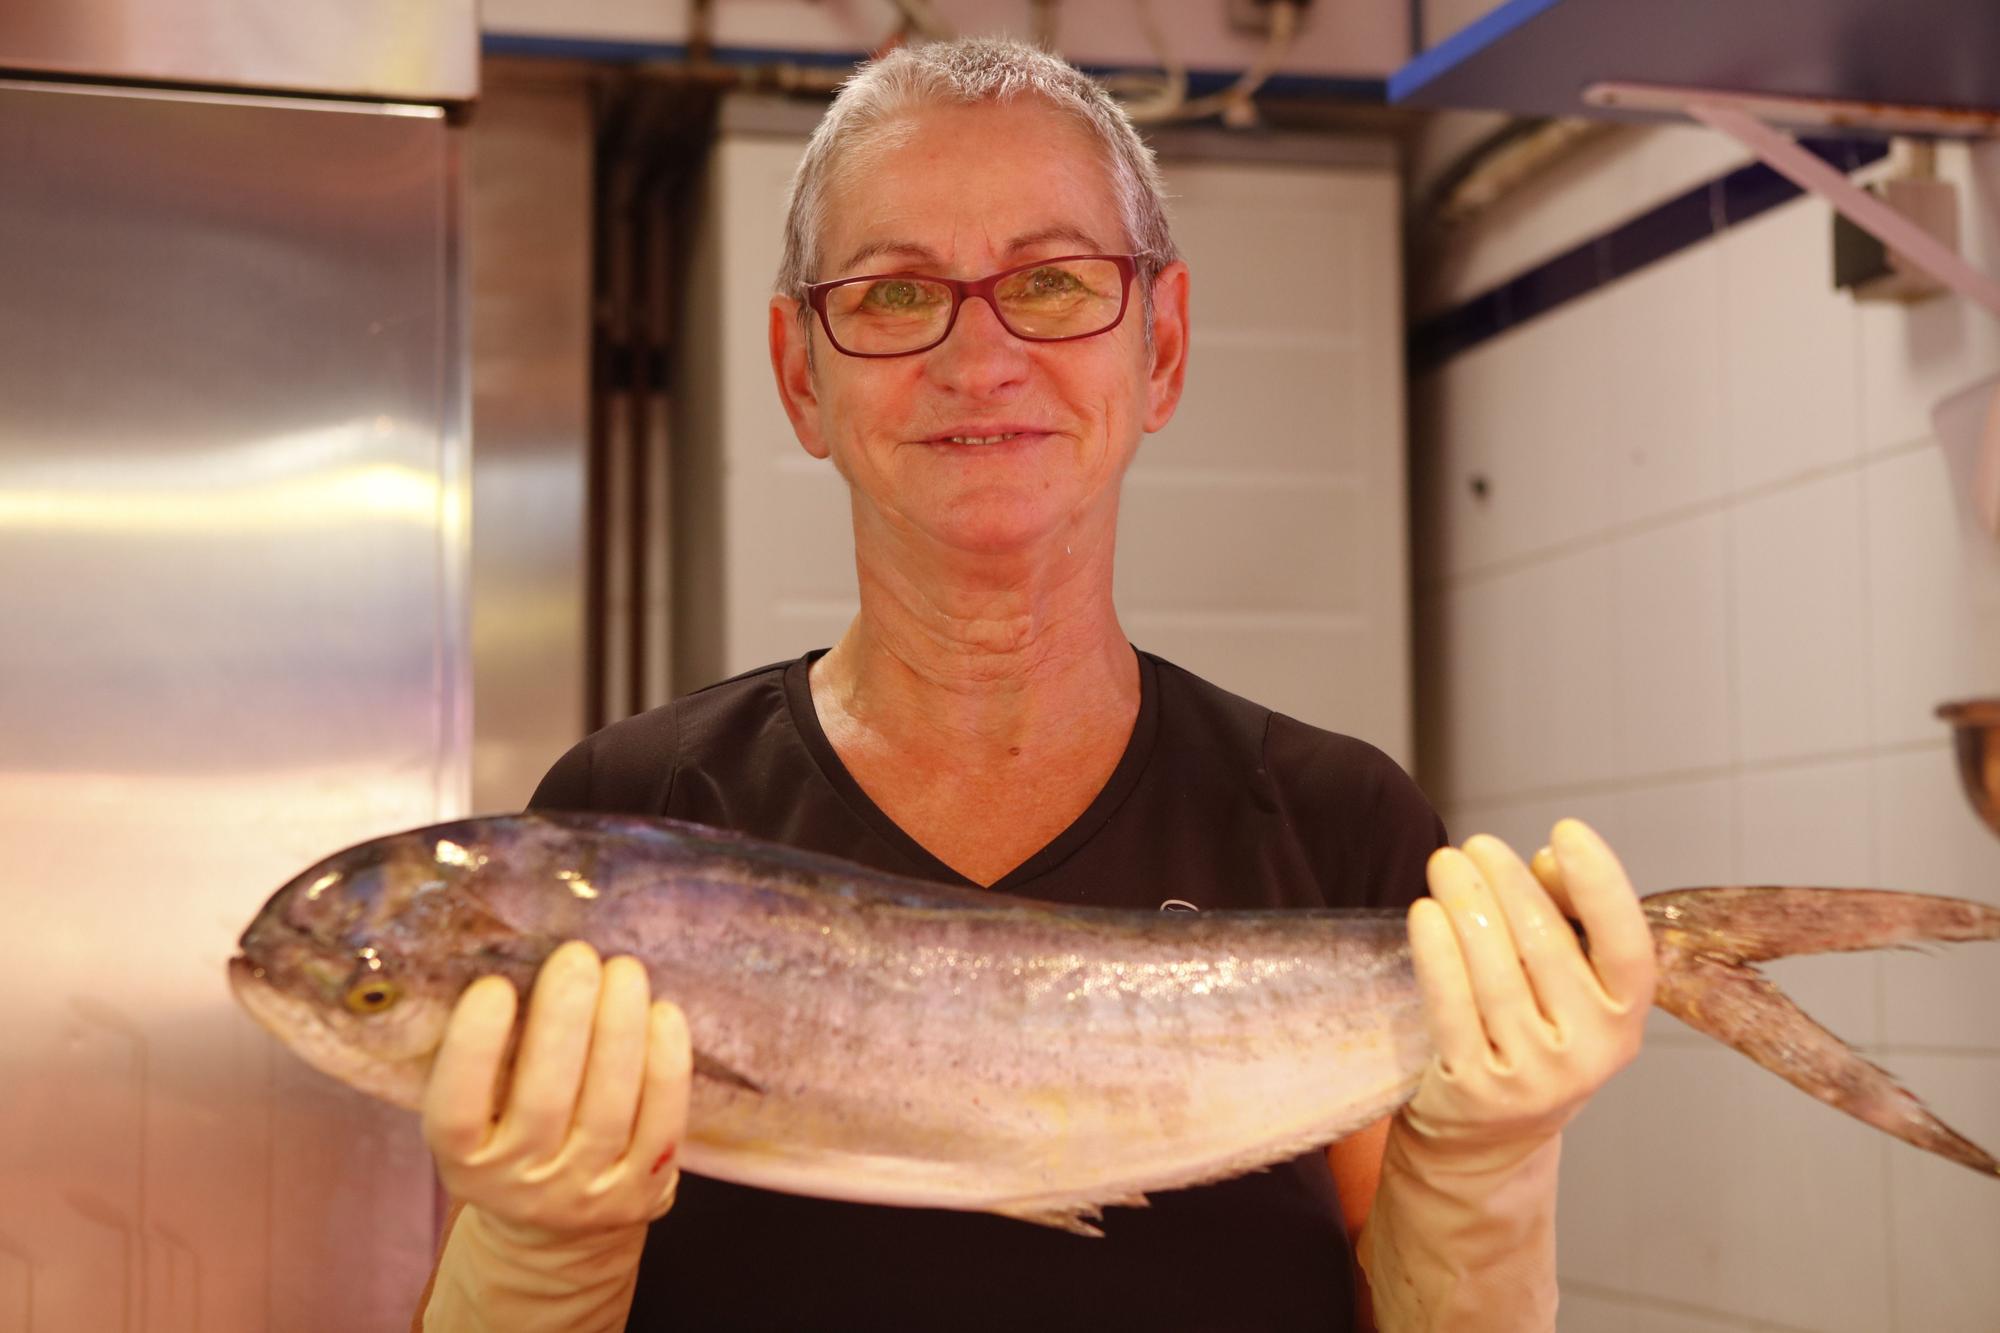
(1933, 593)
(1793, 583)
(1263, 536)
(1285, 405)
(1724, 1181)
(1547, 457)
(1665, 366)
(1945, 1219)
(1248, 545)
(1284, 218)
(1791, 347)
(1672, 646)
(1455, 442)
(1801, 620)
(1570, 706)
(1674, 834)
(1486, 694)
(1525, 825)
(1594, 1312)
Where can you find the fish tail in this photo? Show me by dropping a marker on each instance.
(1709, 940)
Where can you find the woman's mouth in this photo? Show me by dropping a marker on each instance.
(988, 436)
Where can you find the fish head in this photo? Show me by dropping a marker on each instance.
(356, 963)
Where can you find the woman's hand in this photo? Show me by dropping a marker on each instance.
(593, 1113)
(561, 1179)
(1524, 1024)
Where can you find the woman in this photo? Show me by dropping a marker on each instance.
(979, 316)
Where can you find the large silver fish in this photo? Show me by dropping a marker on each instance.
(863, 1037)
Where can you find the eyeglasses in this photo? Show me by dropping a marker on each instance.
(1048, 301)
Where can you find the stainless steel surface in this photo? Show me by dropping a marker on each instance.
(1975, 725)
(529, 225)
(232, 463)
(415, 50)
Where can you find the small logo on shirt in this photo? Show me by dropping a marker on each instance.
(1178, 905)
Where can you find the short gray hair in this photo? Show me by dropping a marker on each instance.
(972, 70)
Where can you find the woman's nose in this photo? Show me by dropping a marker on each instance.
(979, 355)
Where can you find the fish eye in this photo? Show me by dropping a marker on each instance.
(372, 995)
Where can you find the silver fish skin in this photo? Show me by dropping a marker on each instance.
(859, 1036)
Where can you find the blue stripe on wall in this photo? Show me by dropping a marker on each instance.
(1685, 220)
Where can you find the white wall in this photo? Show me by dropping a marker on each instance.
(1353, 38)
(1722, 576)
(1262, 534)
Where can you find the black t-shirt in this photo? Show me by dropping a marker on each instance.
(1216, 803)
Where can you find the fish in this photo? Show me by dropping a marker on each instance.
(885, 1040)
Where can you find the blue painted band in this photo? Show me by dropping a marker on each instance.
(1687, 219)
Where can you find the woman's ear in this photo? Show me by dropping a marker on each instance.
(792, 363)
(1167, 374)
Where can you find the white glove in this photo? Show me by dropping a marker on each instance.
(1524, 1028)
(560, 1185)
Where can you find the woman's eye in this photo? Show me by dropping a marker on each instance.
(372, 996)
(1051, 281)
(897, 295)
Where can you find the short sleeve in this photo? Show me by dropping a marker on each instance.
(566, 786)
(625, 769)
(1366, 825)
(1407, 829)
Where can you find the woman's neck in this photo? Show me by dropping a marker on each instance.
(985, 658)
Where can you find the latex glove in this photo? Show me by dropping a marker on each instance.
(1525, 1027)
(560, 1183)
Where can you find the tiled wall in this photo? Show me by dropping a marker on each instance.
(1719, 575)
(1262, 535)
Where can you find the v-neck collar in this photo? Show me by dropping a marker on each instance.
(1138, 749)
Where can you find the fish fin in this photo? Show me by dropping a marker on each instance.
(1754, 925)
(1706, 982)
(707, 1066)
(1077, 1219)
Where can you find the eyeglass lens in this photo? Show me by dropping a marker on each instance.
(1066, 298)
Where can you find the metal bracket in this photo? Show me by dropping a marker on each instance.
(1745, 118)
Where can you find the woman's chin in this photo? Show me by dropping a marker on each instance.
(1022, 532)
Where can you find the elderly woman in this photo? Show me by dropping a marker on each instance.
(979, 315)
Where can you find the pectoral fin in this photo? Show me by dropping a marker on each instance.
(1078, 1218)
(707, 1066)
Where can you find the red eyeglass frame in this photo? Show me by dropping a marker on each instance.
(963, 289)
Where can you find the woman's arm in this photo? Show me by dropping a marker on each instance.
(1357, 1172)
(1524, 1027)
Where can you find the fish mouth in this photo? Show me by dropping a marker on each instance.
(302, 1028)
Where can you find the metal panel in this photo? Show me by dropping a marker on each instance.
(529, 217)
(1538, 57)
(232, 590)
(416, 50)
